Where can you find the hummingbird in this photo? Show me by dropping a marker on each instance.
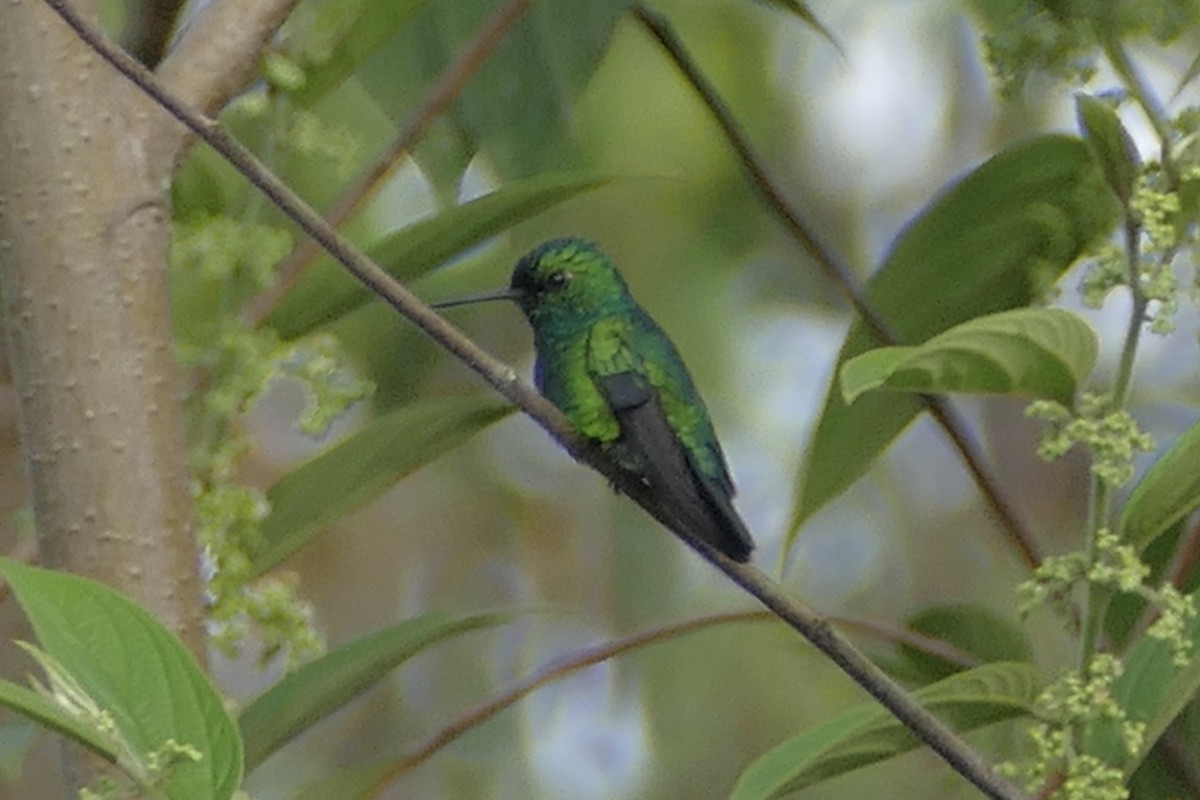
(620, 382)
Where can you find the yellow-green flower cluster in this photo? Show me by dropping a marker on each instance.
(1112, 436)
(1065, 705)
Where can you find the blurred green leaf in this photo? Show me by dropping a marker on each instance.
(321, 687)
(1126, 609)
(1168, 491)
(34, 706)
(1188, 76)
(804, 13)
(353, 783)
(998, 240)
(307, 499)
(868, 733)
(518, 106)
(1111, 143)
(327, 292)
(135, 670)
(1151, 690)
(975, 630)
(1039, 352)
(351, 31)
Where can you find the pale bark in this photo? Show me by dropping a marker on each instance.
(84, 231)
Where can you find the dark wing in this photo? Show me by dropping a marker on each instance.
(649, 447)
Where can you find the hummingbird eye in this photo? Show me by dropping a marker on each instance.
(557, 280)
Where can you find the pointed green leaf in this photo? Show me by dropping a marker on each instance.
(327, 292)
(351, 31)
(1188, 76)
(34, 706)
(518, 105)
(867, 734)
(137, 671)
(1152, 690)
(995, 241)
(975, 630)
(1033, 352)
(1111, 143)
(359, 468)
(1167, 492)
(319, 688)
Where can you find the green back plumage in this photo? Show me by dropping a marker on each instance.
(587, 326)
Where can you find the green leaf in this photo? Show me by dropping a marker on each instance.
(1111, 143)
(1040, 352)
(519, 105)
(1151, 690)
(352, 783)
(323, 686)
(359, 468)
(805, 14)
(34, 706)
(327, 292)
(353, 31)
(868, 733)
(995, 241)
(137, 671)
(1168, 491)
(975, 630)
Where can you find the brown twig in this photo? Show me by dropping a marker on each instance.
(443, 93)
(841, 276)
(929, 729)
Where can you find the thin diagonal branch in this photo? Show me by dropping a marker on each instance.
(841, 276)
(444, 91)
(816, 629)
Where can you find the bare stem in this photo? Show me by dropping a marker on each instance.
(841, 276)
(816, 629)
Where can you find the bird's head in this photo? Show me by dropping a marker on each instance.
(566, 279)
(562, 284)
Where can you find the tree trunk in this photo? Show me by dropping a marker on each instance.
(84, 232)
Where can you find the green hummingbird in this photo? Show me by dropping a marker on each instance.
(620, 382)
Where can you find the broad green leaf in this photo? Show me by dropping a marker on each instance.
(518, 106)
(321, 687)
(975, 630)
(327, 292)
(350, 32)
(1033, 352)
(34, 706)
(868, 733)
(995, 241)
(1126, 610)
(359, 468)
(1111, 143)
(1168, 491)
(1152, 690)
(137, 671)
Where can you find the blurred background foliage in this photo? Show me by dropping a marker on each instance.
(861, 140)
